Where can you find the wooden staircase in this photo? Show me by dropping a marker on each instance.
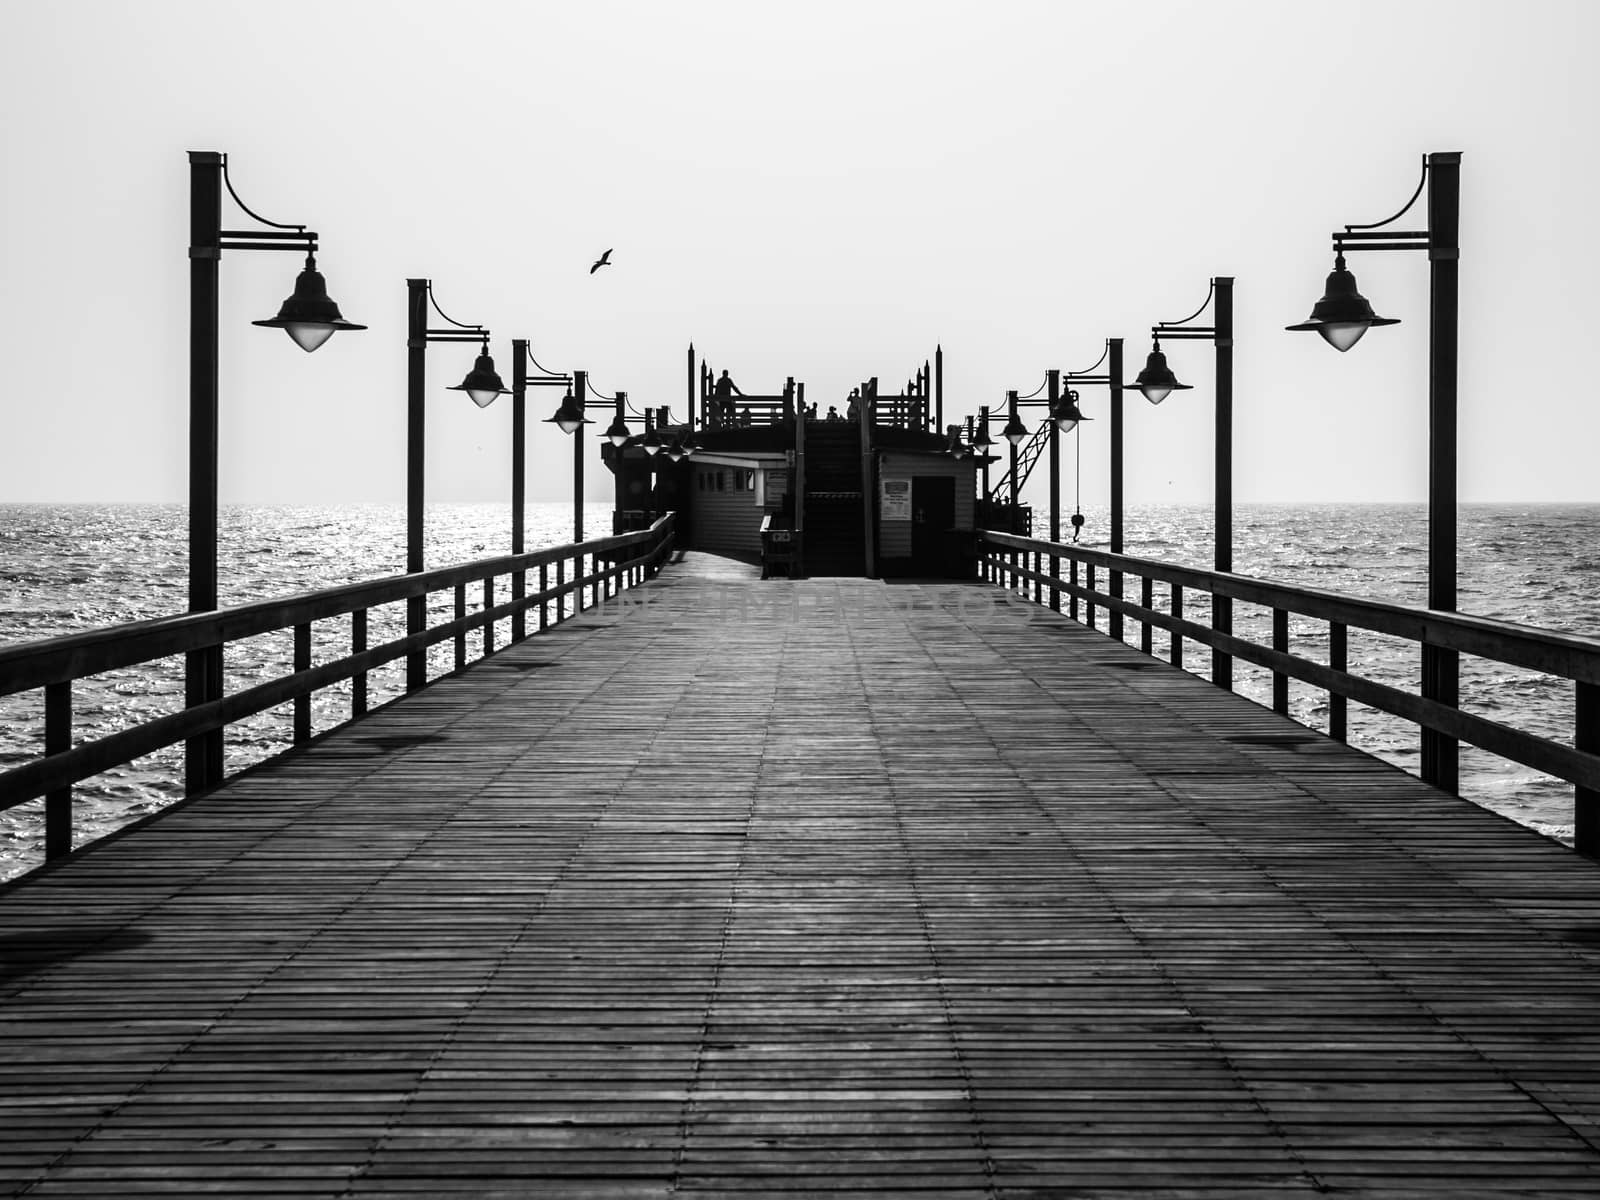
(835, 533)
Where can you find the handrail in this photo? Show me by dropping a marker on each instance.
(1570, 655)
(1563, 655)
(30, 665)
(53, 664)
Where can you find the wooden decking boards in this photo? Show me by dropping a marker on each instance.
(811, 889)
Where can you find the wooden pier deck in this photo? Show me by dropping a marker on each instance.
(819, 889)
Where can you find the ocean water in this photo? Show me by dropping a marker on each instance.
(66, 568)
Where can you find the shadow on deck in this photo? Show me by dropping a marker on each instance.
(810, 888)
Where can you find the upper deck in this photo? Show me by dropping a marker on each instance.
(833, 886)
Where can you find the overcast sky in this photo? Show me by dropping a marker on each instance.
(820, 190)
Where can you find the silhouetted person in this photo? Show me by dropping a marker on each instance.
(833, 412)
(724, 391)
(744, 415)
(853, 410)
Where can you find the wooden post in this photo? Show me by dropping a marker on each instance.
(58, 740)
(1586, 801)
(1147, 599)
(358, 645)
(488, 626)
(1280, 643)
(1176, 653)
(302, 703)
(1338, 660)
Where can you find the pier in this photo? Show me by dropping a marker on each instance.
(824, 887)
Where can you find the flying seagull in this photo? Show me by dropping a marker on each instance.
(603, 261)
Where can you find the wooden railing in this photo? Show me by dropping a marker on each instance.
(586, 572)
(1053, 571)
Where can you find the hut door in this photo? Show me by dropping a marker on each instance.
(933, 515)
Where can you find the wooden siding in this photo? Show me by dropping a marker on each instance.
(894, 537)
(726, 520)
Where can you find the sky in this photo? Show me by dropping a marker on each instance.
(827, 191)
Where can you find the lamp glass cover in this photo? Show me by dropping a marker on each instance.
(308, 335)
(1155, 393)
(1341, 335)
(1066, 424)
(482, 397)
(568, 424)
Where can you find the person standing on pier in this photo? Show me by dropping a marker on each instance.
(724, 392)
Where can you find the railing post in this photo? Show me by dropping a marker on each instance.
(302, 703)
(1175, 656)
(561, 590)
(1147, 598)
(519, 589)
(1090, 603)
(1038, 581)
(58, 740)
(1072, 604)
(488, 625)
(544, 601)
(1586, 801)
(461, 634)
(1338, 660)
(358, 645)
(1280, 643)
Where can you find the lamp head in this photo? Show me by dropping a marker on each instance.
(309, 316)
(617, 432)
(1067, 414)
(569, 417)
(483, 382)
(652, 442)
(1015, 431)
(1343, 314)
(1157, 381)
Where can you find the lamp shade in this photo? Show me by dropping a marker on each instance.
(690, 444)
(981, 440)
(617, 432)
(652, 441)
(1157, 381)
(569, 417)
(1343, 314)
(1067, 414)
(309, 316)
(674, 450)
(1015, 431)
(482, 383)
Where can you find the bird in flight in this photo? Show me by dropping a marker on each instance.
(603, 261)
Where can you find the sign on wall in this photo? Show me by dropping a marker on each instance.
(894, 499)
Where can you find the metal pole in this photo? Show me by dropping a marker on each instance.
(1053, 384)
(938, 386)
(416, 383)
(1222, 606)
(580, 393)
(690, 386)
(203, 668)
(1016, 500)
(519, 431)
(1115, 359)
(1440, 668)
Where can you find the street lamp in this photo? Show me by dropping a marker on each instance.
(1157, 382)
(482, 384)
(310, 318)
(1342, 317)
(569, 418)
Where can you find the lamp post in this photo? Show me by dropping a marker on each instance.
(1067, 419)
(1156, 382)
(1342, 316)
(310, 318)
(569, 418)
(521, 381)
(1016, 433)
(482, 384)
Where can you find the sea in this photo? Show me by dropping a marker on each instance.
(69, 568)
